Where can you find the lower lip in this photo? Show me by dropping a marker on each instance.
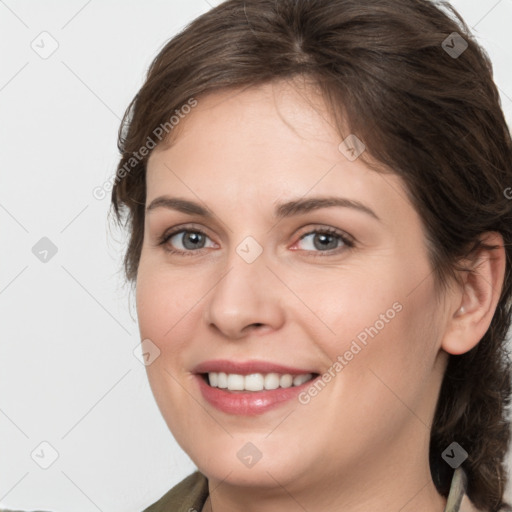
(249, 403)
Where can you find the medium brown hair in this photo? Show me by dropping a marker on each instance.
(435, 119)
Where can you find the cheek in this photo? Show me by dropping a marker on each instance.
(168, 312)
(381, 361)
(164, 300)
(382, 321)
(167, 317)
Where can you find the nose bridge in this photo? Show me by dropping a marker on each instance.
(244, 294)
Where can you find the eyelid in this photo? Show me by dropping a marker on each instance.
(322, 228)
(184, 227)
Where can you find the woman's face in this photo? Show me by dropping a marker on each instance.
(267, 279)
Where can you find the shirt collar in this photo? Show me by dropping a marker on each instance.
(458, 500)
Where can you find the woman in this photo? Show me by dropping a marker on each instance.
(320, 239)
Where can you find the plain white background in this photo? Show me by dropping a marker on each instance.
(68, 373)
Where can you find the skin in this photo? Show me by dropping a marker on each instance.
(362, 443)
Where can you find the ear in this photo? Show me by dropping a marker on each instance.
(475, 302)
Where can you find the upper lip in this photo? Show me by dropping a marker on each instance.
(246, 367)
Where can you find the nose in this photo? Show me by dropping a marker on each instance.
(247, 298)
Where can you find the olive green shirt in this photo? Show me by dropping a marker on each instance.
(190, 494)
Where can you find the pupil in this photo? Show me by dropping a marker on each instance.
(191, 240)
(324, 241)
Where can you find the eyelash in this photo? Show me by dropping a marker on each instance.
(347, 241)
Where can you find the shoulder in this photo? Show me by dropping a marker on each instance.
(188, 495)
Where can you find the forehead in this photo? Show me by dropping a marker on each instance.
(263, 143)
(262, 119)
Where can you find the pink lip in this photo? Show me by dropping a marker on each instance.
(246, 367)
(247, 403)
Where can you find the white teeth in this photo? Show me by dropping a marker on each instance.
(214, 379)
(271, 381)
(255, 381)
(286, 381)
(300, 379)
(235, 382)
(252, 382)
(222, 380)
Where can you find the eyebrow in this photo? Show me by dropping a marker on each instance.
(282, 210)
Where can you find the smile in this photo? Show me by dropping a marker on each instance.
(252, 387)
(255, 381)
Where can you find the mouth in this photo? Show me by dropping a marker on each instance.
(252, 387)
(253, 401)
(255, 382)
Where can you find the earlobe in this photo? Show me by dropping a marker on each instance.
(479, 297)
